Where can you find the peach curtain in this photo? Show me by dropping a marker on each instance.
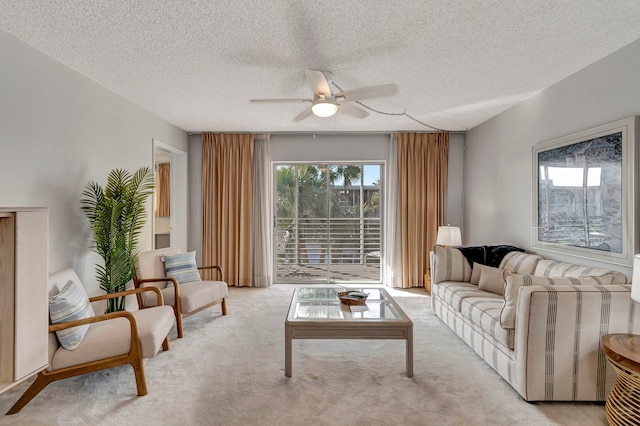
(422, 181)
(163, 190)
(227, 205)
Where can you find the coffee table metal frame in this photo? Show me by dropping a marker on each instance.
(350, 325)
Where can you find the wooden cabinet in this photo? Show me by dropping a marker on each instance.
(24, 310)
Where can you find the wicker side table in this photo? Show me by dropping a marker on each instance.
(623, 403)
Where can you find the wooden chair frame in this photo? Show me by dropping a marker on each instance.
(177, 307)
(134, 357)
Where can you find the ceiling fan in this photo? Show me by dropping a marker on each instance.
(325, 103)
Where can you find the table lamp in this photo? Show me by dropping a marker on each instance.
(450, 236)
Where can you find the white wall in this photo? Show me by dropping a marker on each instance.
(498, 156)
(323, 147)
(58, 131)
(195, 195)
(330, 147)
(455, 178)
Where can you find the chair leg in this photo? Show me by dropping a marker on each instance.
(224, 306)
(165, 344)
(141, 382)
(179, 325)
(40, 383)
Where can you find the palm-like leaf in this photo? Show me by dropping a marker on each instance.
(117, 216)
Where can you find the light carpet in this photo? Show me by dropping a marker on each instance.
(229, 370)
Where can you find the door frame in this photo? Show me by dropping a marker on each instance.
(178, 192)
(382, 178)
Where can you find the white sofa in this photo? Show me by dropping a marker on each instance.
(543, 336)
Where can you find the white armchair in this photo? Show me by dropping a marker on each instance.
(186, 297)
(117, 338)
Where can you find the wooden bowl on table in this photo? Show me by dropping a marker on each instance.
(352, 297)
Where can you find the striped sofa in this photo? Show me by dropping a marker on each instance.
(542, 335)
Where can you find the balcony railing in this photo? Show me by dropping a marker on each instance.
(328, 241)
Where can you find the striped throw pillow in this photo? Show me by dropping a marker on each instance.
(182, 267)
(70, 304)
(552, 268)
(520, 263)
(450, 265)
(514, 282)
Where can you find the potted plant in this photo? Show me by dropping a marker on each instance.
(116, 216)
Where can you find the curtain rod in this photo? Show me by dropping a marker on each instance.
(328, 132)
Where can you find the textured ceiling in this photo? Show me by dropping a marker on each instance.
(198, 63)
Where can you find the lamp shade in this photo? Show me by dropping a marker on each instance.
(324, 109)
(449, 236)
(635, 280)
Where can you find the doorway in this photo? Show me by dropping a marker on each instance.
(328, 226)
(170, 222)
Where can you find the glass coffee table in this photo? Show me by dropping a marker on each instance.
(316, 313)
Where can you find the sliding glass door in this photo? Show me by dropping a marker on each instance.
(327, 222)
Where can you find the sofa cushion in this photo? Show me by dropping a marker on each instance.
(484, 312)
(491, 280)
(514, 282)
(452, 293)
(197, 294)
(520, 263)
(153, 326)
(104, 339)
(193, 295)
(450, 265)
(71, 303)
(552, 268)
(619, 278)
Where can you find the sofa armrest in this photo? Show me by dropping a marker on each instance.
(557, 344)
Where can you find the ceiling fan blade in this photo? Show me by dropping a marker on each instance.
(352, 110)
(304, 114)
(318, 82)
(367, 92)
(281, 100)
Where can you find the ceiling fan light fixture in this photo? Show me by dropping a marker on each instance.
(324, 108)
